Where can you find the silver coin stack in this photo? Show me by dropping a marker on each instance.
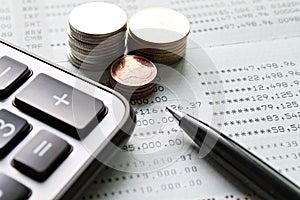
(96, 35)
(159, 34)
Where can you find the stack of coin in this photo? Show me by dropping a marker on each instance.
(159, 34)
(133, 76)
(97, 35)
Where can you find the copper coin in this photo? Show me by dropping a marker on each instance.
(133, 70)
(133, 92)
(130, 88)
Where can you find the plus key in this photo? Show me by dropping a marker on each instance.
(61, 106)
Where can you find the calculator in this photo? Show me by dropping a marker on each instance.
(57, 129)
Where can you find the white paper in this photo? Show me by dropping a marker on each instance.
(241, 71)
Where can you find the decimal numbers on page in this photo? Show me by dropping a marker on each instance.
(238, 15)
(266, 93)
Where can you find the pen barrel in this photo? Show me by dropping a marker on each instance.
(258, 176)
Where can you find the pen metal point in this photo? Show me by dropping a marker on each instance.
(177, 115)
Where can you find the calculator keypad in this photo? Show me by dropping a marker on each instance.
(42, 155)
(12, 75)
(60, 106)
(12, 130)
(53, 127)
(11, 189)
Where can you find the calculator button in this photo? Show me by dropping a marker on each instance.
(12, 75)
(60, 105)
(12, 130)
(11, 189)
(42, 155)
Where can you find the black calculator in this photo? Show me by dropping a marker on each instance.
(57, 129)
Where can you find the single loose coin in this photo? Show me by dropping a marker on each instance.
(132, 70)
(97, 18)
(159, 25)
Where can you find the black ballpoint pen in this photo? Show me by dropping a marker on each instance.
(258, 176)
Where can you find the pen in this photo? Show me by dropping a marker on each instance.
(258, 176)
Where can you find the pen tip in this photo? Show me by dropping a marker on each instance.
(176, 114)
(170, 110)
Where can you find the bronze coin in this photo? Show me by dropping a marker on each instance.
(133, 70)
